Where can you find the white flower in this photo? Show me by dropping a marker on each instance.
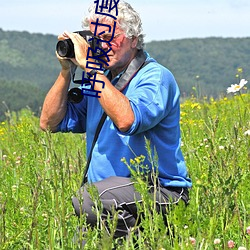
(192, 240)
(217, 241)
(242, 248)
(22, 210)
(14, 188)
(237, 87)
(247, 133)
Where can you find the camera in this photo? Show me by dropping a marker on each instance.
(65, 48)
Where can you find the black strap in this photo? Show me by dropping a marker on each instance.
(97, 132)
(136, 64)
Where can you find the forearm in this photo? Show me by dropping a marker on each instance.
(55, 103)
(115, 104)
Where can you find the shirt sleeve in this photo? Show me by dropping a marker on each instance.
(75, 118)
(153, 97)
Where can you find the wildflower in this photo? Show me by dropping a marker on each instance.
(242, 248)
(198, 182)
(22, 210)
(132, 162)
(230, 244)
(45, 216)
(247, 133)
(221, 147)
(195, 106)
(14, 188)
(217, 241)
(192, 240)
(137, 159)
(237, 87)
(240, 70)
(123, 160)
(248, 230)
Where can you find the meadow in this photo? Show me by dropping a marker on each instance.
(40, 172)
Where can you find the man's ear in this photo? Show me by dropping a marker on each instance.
(134, 42)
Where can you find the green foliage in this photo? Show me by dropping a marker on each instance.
(40, 172)
(28, 68)
(14, 95)
(36, 184)
(216, 146)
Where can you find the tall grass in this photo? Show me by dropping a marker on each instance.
(40, 172)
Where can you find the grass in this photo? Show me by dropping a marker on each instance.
(40, 172)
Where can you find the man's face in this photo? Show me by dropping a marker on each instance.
(121, 49)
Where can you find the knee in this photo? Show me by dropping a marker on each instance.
(84, 205)
(77, 206)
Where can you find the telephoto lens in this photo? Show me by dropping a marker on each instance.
(65, 48)
(75, 95)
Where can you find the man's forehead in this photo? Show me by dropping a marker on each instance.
(104, 26)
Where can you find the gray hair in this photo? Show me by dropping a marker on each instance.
(127, 19)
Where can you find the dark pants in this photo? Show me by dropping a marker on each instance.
(119, 194)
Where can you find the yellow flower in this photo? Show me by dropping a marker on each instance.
(132, 162)
(138, 160)
(240, 70)
(195, 105)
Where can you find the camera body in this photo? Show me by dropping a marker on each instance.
(65, 48)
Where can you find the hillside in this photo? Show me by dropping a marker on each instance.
(28, 57)
(214, 60)
(28, 66)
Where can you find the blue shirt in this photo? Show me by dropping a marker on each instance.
(154, 97)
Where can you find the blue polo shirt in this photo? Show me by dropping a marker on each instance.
(154, 97)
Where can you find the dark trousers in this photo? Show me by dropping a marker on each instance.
(119, 194)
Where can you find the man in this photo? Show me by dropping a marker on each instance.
(141, 100)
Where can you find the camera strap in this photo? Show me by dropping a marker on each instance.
(136, 64)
